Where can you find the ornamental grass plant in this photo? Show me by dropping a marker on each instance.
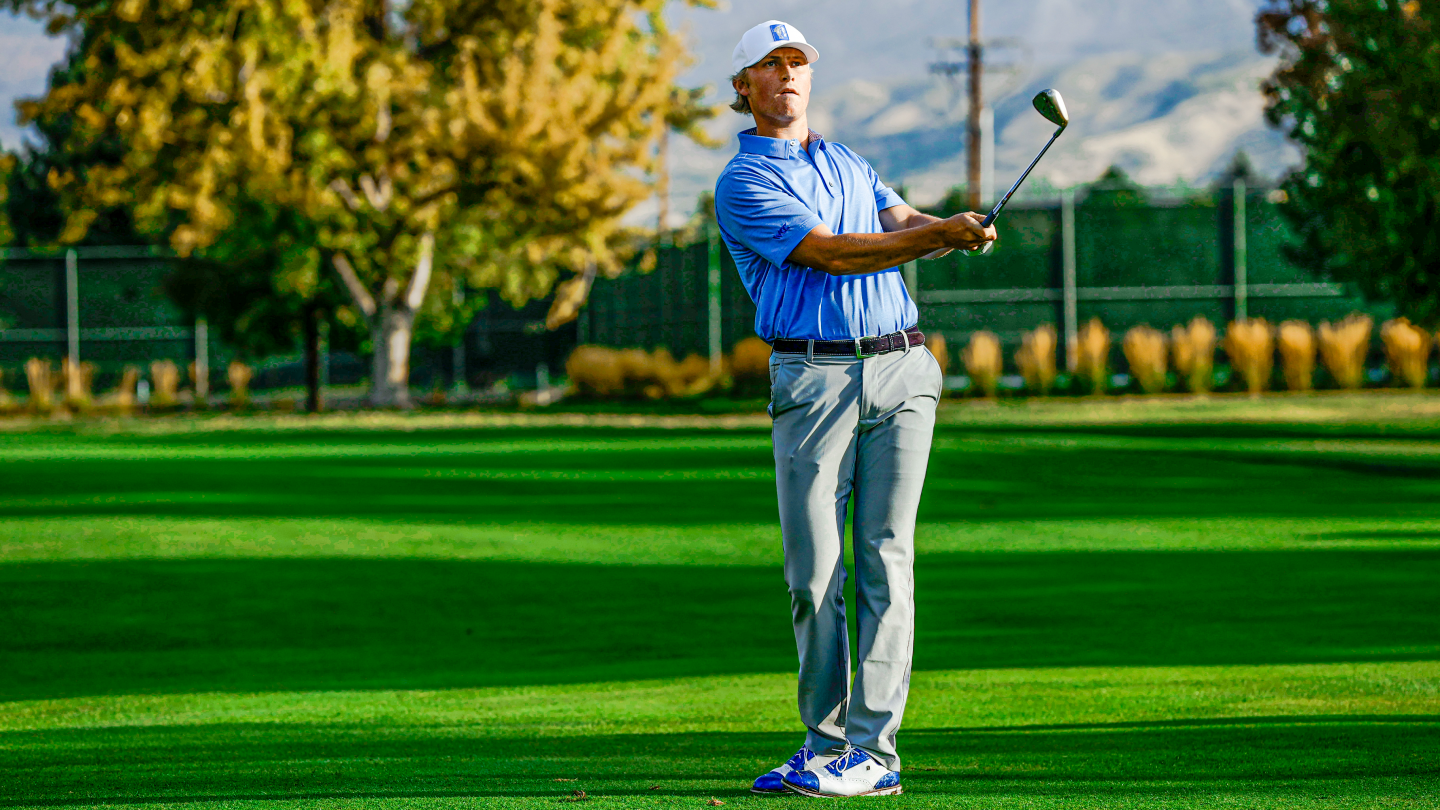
(238, 375)
(77, 381)
(1145, 352)
(1036, 359)
(124, 396)
(7, 402)
(1407, 349)
(599, 371)
(1296, 341)
(941, 352)
(983, 362)
(42, 387)
(165, 377)
(1092, 354)
(595, 371)
(1343, 348)
(1250, 344)
(1193, 348)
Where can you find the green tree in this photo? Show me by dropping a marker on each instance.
(426, 143)
(1358, 88)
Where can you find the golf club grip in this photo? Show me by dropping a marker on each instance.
(995, 212)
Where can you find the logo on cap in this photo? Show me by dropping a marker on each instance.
(779, 32)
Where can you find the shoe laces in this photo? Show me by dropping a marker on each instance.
(849, 758)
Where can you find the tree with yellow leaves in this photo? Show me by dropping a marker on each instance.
(430, 144)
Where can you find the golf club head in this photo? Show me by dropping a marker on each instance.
(1049, 104)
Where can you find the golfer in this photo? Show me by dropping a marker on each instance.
(817, 239)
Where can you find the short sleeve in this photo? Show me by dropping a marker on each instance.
(760, 213)
(884, 196)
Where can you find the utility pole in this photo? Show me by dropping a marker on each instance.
(975, 136)
(980, 122)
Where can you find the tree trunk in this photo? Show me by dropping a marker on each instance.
(390, 368)
(392, 322)
(313, 403)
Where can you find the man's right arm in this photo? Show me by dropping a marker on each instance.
(858, 253)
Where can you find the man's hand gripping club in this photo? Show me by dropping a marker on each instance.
(909, 235)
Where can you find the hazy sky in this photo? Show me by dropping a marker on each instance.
(888, 40)
(856, 38)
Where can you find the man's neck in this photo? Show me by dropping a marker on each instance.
(797, 130)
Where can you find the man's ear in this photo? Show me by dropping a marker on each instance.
(741, 85)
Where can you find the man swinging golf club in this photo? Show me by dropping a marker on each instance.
(817, 239)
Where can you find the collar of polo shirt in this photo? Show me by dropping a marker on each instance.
(775, 147)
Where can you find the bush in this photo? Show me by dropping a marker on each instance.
(1145, 351)
(1251, 346)
(1343, 348)
(1193, 348)
(1297, 354)
(1036, 359)
(983, 362)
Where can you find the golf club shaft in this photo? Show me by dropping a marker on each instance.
(995, 212)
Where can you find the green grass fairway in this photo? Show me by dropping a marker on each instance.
(1168, 606)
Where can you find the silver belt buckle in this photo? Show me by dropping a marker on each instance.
(859, 352)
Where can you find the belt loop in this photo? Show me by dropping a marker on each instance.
(905, 338)
(810, 351)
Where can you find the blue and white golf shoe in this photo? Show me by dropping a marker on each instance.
(853, 773)
(773, 783)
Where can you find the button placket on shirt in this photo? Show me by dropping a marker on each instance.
(815, 162)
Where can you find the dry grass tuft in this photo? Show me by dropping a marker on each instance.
(1297, 354)
(604, 372)
(1146, 353)
(751, 358)
(1407, 347)
(238, 375)
(1343, 348)
(77, 382)
(124, 397)
(595, 371)
(750, 367)
(42, 387)
(165, 377)
(7, 402)
(983, 362)
(1092, 355)
(1251, 346)
(936, 344)
(1193, 348)
(1036, 359)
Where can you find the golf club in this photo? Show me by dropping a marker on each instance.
(1049, 104)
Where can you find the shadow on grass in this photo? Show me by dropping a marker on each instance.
(680, 478)
(171, 626)
(278, 761)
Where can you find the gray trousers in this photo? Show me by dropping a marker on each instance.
(849, 430)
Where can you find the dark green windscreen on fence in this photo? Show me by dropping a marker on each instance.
(125, 316)
(1158, 265)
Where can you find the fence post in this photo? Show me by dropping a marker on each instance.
(713, 298)
(1242, 291)
(202, 361)
(1067, 277)
(72, 307)
(324, 347)
(457, 352)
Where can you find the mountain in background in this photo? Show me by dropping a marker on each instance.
(1166, 89)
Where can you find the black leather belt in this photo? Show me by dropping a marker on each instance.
(864, 347)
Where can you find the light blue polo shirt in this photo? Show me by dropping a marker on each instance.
(767, 199)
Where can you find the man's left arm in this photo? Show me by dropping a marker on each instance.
(902, 218)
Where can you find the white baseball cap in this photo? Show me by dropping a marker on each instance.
(759, 41)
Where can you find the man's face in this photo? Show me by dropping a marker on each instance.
(778, 86)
